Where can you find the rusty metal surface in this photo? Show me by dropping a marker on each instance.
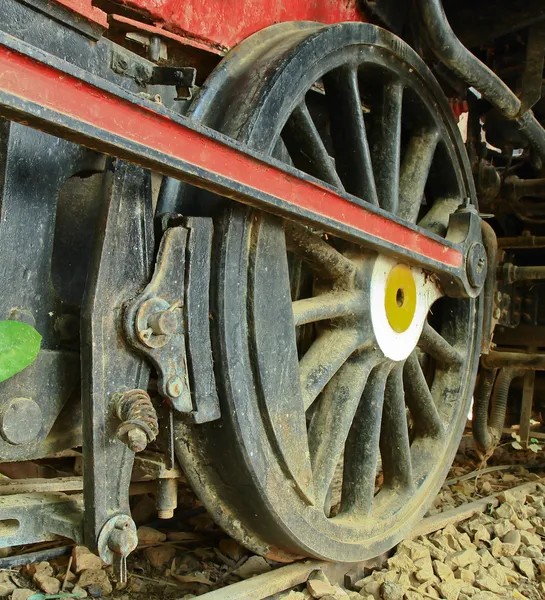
(222, 25)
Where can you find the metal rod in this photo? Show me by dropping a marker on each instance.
(524, 241)
(62, 100)
(450, 50)
(514, 359)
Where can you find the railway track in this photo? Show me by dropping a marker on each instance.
(268, 585)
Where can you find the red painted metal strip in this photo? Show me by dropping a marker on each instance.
(35, 82)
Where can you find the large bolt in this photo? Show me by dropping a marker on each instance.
(476, 265)
(174, 387)
(164, 322)
(20, 421)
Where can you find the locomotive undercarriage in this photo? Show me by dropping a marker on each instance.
(235, 286)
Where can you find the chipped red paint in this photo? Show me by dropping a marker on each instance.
(125, 24)
(49, 88)
(225, 23)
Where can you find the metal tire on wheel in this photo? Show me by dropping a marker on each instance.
(343, 391)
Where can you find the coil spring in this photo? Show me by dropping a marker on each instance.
(134, 409)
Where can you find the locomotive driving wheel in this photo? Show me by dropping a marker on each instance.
(344, 375)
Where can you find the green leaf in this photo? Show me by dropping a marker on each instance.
(516, 445)
(534, 441)
(19, 346)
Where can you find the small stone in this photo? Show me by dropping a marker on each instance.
(444, 572)
(465, 575)
(95, 576)
(320, 589)
(442, 542)
(521, 524)
(413, 596)
(392, 591)
(486, 559)
(463, 558)
(481, 534)
(431, 591)
(372, 589)
(465, 541)
(450, 590)
(506, 511)
(502, 527)
(530, 539)
(148, 535)
(525, 566)
(255, 565)
(487, 583)
(41, 567)
(512, 537)
(499, 548)
(159, 556)
(425, 574)
(6, 584)
(401, 562)
(435, 552)
(404, 581)
(415, 550)
(79, 592)
(22, 594)
(49, 585)
(82, 559)
(509, 497)
(94, 590)
(531, 552)
(498, 573)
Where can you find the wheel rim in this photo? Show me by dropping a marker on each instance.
(353, 376)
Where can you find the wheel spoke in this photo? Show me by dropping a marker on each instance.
(323, 359)
(415, 168)
(325, 306)
(306, 147)
(385, 143)
(394, 436)
(437, 218)
(322, 257)
(332, 419)
(437, 346)
(352, 155)
(419, 399)
(362, 447)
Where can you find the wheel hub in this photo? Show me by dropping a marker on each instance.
(401, 297)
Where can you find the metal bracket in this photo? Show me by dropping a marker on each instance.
(465, 229)
(183, 78)
(153, 322)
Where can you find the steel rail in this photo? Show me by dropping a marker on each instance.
(48, 93)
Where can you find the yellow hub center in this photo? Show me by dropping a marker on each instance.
(400, 298)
